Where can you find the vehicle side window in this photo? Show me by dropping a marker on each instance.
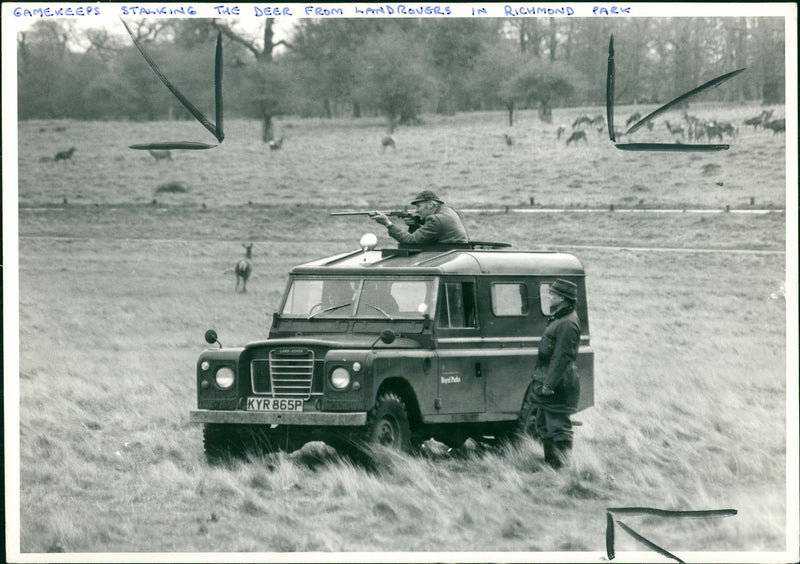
(457, 308)
(544, 297)
(509, 299)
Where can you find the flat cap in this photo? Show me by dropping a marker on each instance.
(565, 288)
(426, 196)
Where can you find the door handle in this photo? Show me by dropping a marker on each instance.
(478, 373)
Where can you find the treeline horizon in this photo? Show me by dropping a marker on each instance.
(394, 68)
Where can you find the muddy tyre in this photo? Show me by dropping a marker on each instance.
(221, 442)
(261, 440)
(387, 424)
(227, 441)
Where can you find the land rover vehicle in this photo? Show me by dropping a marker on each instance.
(392, 346)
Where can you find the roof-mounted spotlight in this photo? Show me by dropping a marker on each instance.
(368, 242)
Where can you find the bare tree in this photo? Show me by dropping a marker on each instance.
(262, 52)
(769, 58)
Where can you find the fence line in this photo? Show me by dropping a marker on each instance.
(509, 209)
(676, 249)
(556, 246)
(611, 208)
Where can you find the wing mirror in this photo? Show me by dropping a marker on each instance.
(387, 337)
(211, 337)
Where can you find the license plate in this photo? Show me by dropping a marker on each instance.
(274, 404)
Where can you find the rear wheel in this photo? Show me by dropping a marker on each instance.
(388, 425)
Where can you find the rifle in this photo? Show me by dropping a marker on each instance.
(400, 214)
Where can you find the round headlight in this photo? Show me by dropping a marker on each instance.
(340, 378)
(224, 377)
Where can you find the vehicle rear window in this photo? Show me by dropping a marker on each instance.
(509, 299)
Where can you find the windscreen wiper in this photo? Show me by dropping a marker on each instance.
(326, 310)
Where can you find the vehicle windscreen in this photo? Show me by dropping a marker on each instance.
(368, 297)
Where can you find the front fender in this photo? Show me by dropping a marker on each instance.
(414, 371)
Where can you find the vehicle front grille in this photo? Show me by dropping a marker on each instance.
(287, 374)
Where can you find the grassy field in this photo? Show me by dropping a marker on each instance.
(464, 158)
(116, 292)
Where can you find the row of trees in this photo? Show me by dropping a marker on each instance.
(397, 68)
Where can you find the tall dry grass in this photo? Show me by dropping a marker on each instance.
(690, 352)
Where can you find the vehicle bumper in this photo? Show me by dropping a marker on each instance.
(282, 418)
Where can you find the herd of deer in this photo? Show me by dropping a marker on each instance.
(692, 128)
(579, 134)
(697, 129)
(764, 121)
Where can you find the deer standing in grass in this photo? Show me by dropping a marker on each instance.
(65, 155)
(760, 120)
(581, 120)
(577, 136)
(675, 130)
(776, 125)
(634, 117)
(388, 141)
(243, 268)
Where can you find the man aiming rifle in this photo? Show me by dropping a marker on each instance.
(432, 223)
(412, 220)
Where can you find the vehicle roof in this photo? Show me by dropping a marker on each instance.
(440, 261)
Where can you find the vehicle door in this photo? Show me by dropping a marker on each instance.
(512, 330)
(460, 383)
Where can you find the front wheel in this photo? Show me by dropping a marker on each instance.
(221, 442)
(387, 424)
(228, 441)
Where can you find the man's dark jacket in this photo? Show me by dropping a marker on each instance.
(558, 351)
(444, 226)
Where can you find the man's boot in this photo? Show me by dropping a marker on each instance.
(563, 448)
(551, 456)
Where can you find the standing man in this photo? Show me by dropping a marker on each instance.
(440, 223)
(555, 390)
